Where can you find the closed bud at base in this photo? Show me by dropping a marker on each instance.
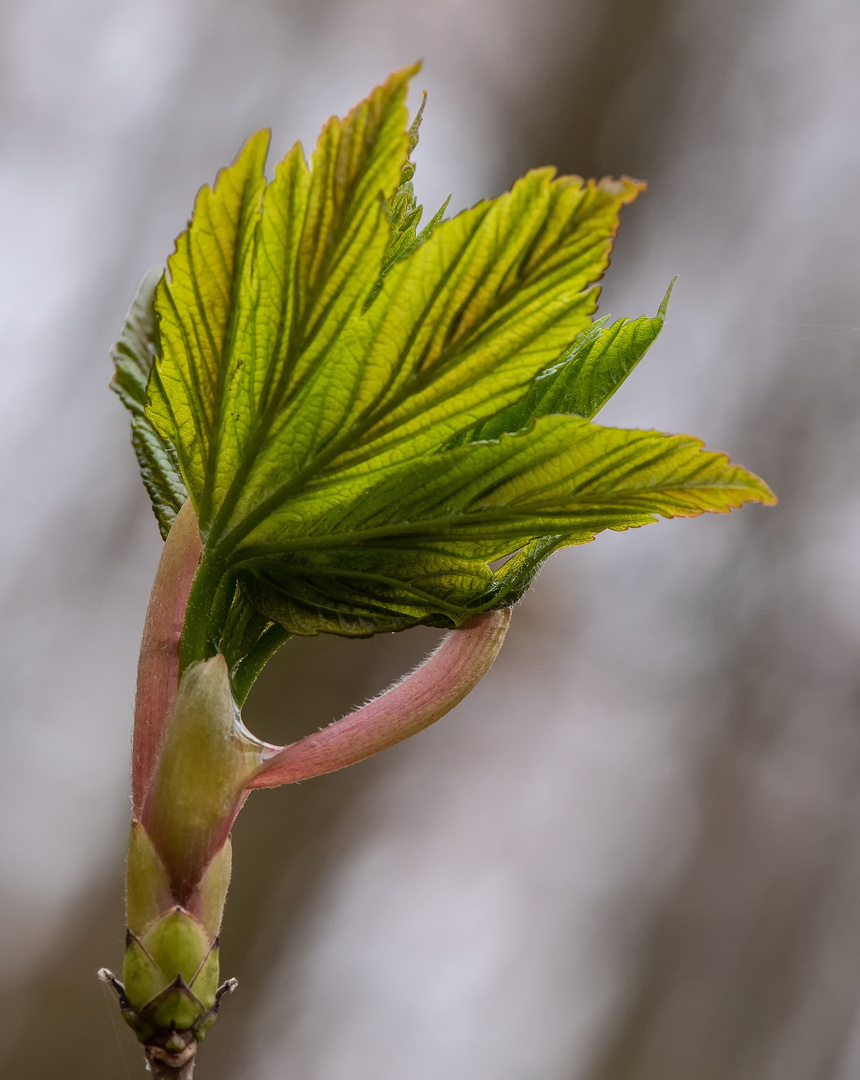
(170, 977)
(169, 993)
(172, 1023)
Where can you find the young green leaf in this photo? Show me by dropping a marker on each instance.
(467, 322)
(414, 540)
(133, 357)
(404, 213)
(197, 311)
(459, 330)
(279, 270)
(585, 378)
(366, 416)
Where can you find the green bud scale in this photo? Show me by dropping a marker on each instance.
(169, 994)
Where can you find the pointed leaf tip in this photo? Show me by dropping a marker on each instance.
(664, 304)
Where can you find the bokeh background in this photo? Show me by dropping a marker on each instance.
(634, 852)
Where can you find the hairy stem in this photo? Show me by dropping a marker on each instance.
(442, 681)
(161, 1070)
(158, 664)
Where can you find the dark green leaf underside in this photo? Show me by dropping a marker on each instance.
(133, 358)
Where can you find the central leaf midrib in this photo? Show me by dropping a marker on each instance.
(366, 575)
(523, 525)
(619, 503)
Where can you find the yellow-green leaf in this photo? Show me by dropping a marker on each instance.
(366, 417)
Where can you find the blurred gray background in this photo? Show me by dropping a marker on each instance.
(634, 852)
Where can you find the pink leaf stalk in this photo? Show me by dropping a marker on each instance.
(158, 664)
(411, 705)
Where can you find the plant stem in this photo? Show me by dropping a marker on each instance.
(160, 1070)
(411, 705)
(158, 665)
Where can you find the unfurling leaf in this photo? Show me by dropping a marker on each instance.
(367, 416)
